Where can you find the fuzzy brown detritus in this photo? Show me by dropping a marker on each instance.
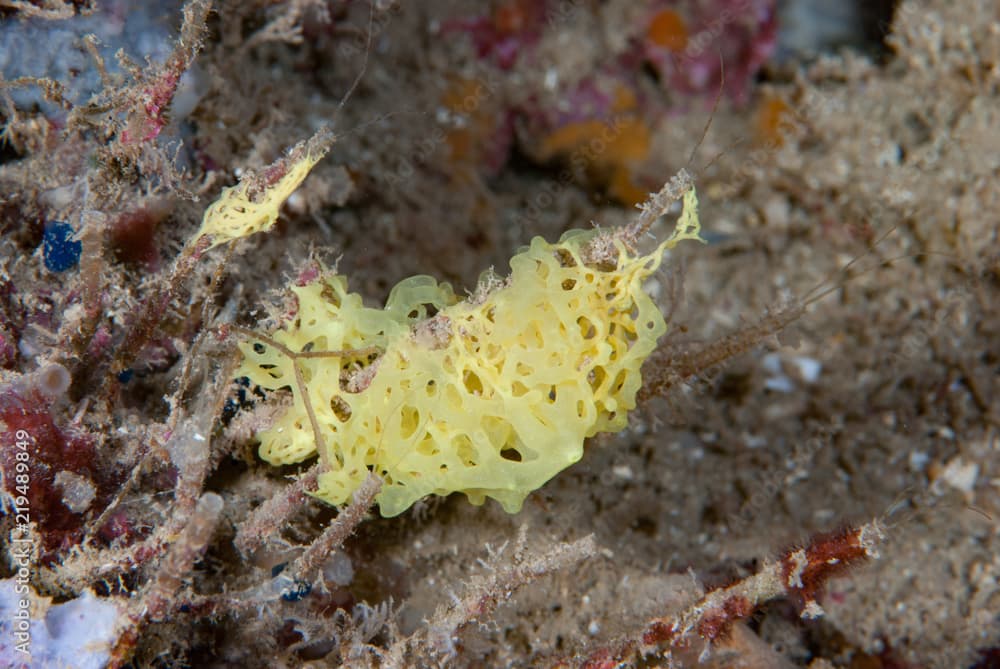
(668, 366)
(298, 580)
(267, 518)
(182, 555)
(287, 26)
(337, 532)
(155, 603)
(155, 306)
(442, 632)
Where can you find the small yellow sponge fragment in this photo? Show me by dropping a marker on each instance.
(491, 397)
(253, 204)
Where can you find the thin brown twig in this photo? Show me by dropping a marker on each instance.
(338, 531)
(263, 521)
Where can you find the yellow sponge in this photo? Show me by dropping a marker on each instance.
(253, 204)
(490, 397)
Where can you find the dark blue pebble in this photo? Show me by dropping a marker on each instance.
(297, 591)
(60, 250)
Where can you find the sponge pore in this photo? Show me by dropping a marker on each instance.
(491, 397)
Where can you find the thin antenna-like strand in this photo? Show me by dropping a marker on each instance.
(711, 116)
(806, 299)
(364, 64)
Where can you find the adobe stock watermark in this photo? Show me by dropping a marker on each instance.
(580, 160)
(922, 333)
(584, 156)
(775, 480)
(700, 42)
(561, 12)
(22, 544)
(383, 14)
(812, 104)
(478, 93)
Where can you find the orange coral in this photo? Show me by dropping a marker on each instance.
(607, 152)
(512, 17)
(466, 144)
(667, 30)
(772, 118)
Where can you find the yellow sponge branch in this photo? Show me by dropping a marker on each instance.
(253, 204)
(491, 397)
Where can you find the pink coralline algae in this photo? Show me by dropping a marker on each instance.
(504, 34)
(56, 459)
(694, 45)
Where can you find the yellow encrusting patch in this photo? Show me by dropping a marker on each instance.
(491, 396)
